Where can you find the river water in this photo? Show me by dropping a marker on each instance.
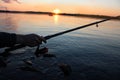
(93, 52)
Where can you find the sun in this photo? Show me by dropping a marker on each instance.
(56, 11)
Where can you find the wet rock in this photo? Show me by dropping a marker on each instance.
(29, 68)
(5, 54)
(28, 62)
(41, 51)
(49, 55)
(2, 62)
(65, 68)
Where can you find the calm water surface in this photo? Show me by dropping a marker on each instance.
(92, 52)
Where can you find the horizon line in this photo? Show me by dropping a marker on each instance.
(64, 14)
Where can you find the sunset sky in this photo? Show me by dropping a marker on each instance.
(101, 7)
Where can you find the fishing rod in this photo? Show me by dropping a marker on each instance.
(60, 33)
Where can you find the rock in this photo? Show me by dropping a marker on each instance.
(65, 68)
(5, 54)
(41, 51)
(28, 62)
(29, 68)
(2, 62)
(49, 55)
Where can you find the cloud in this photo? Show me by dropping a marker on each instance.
(9, 1)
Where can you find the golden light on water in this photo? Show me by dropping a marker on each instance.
(56, 17)
(56, 11)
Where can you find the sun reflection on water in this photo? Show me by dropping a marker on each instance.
(56, 18)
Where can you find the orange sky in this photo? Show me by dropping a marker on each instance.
(65, 8)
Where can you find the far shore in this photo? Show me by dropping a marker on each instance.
(64, 14)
